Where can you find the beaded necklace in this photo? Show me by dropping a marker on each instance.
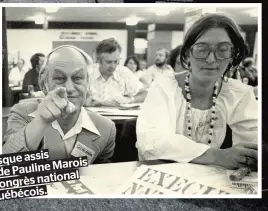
(189, 109)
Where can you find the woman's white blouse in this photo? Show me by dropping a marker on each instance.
(161, 125)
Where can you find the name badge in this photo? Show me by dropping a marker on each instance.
(80, 150)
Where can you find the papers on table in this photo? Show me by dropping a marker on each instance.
(130, 106)
(176, 179)
(16, 88)
(38, 94)
(86, 185)
(172, 179)
(250, 179)
(115, 111)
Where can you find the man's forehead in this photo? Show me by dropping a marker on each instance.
(160, 51)
(67, 55)
(115, 54)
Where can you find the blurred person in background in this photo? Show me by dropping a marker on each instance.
(174, 60)
(248, 72)
(31, 77)
(112, 84)
(17, 73)
(143, 64)
(159, 68)
(132, 62)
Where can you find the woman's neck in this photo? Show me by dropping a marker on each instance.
(201, 93)
(201, 89)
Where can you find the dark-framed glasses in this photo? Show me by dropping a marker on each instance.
(223, 50)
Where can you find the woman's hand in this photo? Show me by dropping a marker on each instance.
(242, 154)
(55, 105)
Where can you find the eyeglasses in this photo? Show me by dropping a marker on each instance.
(223, 50)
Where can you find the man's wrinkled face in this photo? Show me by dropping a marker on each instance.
(40, 63)
(20, 64)
(109, 62)
(160, 58)
(68, 68)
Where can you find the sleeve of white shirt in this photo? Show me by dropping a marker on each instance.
(132, 84)
(13, 76)
(156, 136)
(244, 119)
(147, 76)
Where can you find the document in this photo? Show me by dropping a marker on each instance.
(250, 179)
(86, 185)
(156, 180)
(114, 111)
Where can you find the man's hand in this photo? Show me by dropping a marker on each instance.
(55, 105)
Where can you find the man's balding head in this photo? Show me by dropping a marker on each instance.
(66, 54)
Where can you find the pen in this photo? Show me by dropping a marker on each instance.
(239, 174)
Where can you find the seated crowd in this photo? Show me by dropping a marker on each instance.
(190, 96)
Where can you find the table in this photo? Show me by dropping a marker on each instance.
(104, 179)
(115, 113)
(118, 173)
(16, 88)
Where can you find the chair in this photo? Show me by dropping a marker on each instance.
(228, 141)
(125, 149)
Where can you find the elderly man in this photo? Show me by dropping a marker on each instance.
(113, 84)
(59, 122)
(160, 68)
(16, 74)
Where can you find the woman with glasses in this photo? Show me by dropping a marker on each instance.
(185, 116)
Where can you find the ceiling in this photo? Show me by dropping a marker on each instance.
(119, 14)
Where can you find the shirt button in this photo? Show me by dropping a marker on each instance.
(209, 142)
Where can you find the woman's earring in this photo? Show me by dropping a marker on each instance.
(189, 66)
(46, 89)
(230, 66)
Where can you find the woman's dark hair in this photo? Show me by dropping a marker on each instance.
(173, 56)
(247, 50)
(35, 59)
(207, 22)
(135, 59)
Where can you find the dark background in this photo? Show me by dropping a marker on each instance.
(133, 204)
